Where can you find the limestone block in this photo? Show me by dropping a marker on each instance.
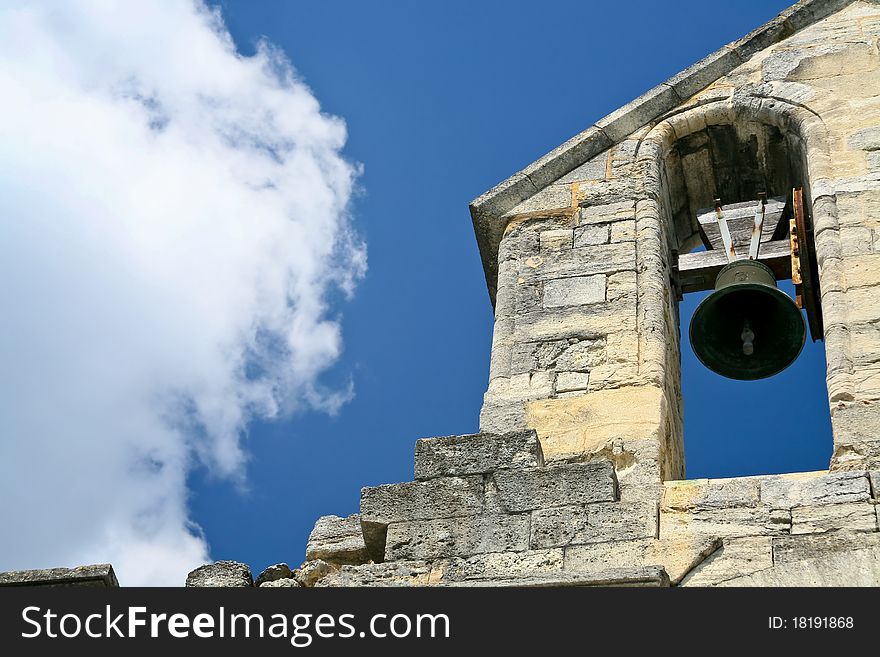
(605, 213)
(547, 353)
(850, 516)
(856, 436)
(620, 123)
(704, 72)
(572, 381)
(645, 576)
(502, 416)
(504, 565)
(581, 356)
(580, 322)
(95, 575)
(280, 583)
(221, 574)
(577, 483)
(272, 573)
(710, 493)
(855, 240)
(809, 488)
(847, 569)
(592, 169)
(408, 573)
(866, 139)
(735, 558)
(621, 347)
(874, 476)
(623, 231)
(569, 428)
(833, 559)
(574, 291)
(787, 549)
(866, 381)
(552, 197)
(592, 523)
(457, 537)
(722, 523)
(676, 557)
(311, 572)
(529, 385)
(862, 270)
(591, 235)
(554, 240)
(443, 497)
(456, 456)
(603, 259)
(338, 540)
(865, 343)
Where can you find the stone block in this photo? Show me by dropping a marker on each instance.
(574, 291)
(98, 575)
(272, 573)
(856, 436)
(646, 576)
(607, 212)
(504, 565)
(577, 322)
(593, 523)
(591, 235)
(787, 549)
(810, 488)
(874, 476)
(572, 428)
(565, 157)
(850, 516)
(736, 557)
(603, 259)
(456, 456)
(581, 356)
(572, 381)
(577, 483)
(593, 169)
(443, 497)
(710, 493)
(406, 573)
(706, 71)
(221, 574)
(676, 557)
(725, 522)
(853, 568)
(554, 240)
(457, 537)
(311, 572)
(338, 540)
(280, 583)
(619, 124)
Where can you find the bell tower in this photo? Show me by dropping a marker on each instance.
(758, 164)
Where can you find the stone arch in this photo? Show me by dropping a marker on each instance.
(802, 129)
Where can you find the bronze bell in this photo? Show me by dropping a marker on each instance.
(747, 328)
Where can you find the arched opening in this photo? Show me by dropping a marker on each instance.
(736, 428)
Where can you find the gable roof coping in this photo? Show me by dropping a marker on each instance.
(488, 208)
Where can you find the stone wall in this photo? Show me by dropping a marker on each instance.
(487, 510)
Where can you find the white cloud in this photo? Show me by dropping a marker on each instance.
(172, 218)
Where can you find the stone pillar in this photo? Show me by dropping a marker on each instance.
(585, 334)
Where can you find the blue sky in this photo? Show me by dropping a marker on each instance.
(442, 101)
(241, 293)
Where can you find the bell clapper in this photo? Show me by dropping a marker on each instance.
(747, 336)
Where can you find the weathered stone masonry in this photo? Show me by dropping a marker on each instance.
(577, 475)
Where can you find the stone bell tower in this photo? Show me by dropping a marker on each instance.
(577, 475)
